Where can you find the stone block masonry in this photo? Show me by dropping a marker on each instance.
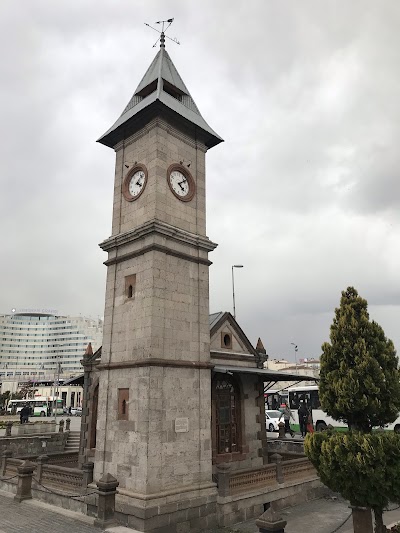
(34, 444)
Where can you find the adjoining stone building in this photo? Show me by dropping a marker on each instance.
(238, 431)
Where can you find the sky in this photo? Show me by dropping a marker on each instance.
(304, 192)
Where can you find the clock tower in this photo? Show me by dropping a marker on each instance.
(153, 429)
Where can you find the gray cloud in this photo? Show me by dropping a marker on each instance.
(304, 192)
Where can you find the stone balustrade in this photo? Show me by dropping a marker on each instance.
(49, 475)
(268, 476)
(27, 478)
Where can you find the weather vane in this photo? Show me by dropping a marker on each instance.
(162, 32)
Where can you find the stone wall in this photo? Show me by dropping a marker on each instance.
(33, 428)
(288, 449)
(239, 508)
(34, 444)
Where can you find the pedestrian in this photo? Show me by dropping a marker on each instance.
(310, 425)
(24, 414)
(70, 410)
(287, 415)
(303, 418)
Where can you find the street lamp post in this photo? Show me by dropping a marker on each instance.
(56, 391)
(295, 354)
(233, 289)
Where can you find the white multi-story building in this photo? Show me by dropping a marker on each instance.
(305, 367)
(33, 345)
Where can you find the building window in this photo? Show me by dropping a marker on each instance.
(227, 415)
(130, 284)
(226, 340)
(123, 404)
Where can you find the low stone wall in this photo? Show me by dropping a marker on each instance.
(76, 504)
(34, 444)
(289, 449)
(69, 459)
(34, 428)
(57, 485)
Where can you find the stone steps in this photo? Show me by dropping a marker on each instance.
(72, 444)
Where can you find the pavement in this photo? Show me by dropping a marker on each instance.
(327, 515)
(36, 517)
(319, 516)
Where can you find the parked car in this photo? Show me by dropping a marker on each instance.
(76, 411)
(272, 420)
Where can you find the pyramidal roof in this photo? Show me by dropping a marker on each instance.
(161, 90)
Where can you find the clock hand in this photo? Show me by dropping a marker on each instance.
(180, 185)
(138, 183)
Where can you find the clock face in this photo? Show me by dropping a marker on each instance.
(180, 182)
(134, 183)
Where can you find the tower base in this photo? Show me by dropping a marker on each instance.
(189, 510)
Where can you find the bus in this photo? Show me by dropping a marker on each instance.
(40, 406)
(274, 399)
(320, 419)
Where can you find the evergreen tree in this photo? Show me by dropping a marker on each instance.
(360, 379)
(360, 385)
(363, 467)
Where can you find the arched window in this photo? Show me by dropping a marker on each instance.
(227, 415)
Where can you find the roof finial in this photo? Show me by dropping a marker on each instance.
(162, 32)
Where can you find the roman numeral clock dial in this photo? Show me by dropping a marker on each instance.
(181, 182)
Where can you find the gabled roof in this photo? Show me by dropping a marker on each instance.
(214, 318)
(161, 90)
(217, 319)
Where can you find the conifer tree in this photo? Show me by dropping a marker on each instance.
(360, 379)
(360, 385)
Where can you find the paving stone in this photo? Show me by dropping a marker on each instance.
(317, 516)
(31, 518)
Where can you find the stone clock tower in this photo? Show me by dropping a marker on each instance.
(153, 429)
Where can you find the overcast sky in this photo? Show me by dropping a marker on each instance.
(304, 192)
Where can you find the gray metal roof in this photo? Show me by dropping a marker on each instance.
(160, 73)
(268, 375)
(214, 317)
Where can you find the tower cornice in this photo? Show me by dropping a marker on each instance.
(157, 227)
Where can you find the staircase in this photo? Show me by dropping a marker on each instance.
(72, 444)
